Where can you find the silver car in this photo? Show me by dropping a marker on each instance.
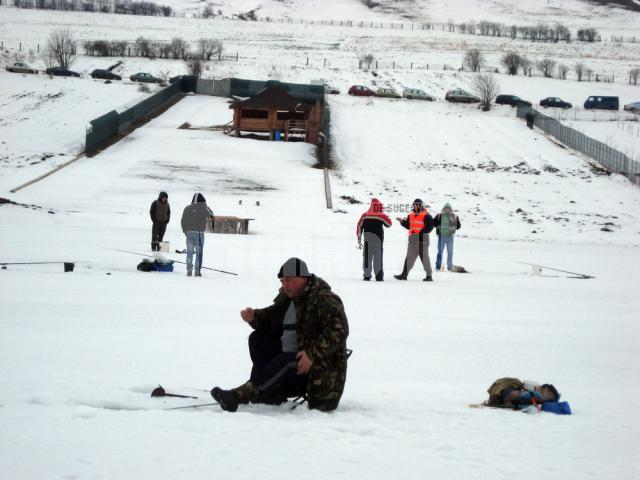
(19, 67)
(459, 95)
(632, 107)
(417, 94)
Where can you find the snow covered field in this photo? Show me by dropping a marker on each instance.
(80, 352)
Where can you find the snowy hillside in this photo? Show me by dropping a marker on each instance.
(77, 366)
(80, 352)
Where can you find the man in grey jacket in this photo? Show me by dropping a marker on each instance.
(194, 224)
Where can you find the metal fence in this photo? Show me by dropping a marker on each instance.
(606, 156)
(248, 88)
(107, 126)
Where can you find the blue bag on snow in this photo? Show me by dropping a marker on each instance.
(560, 408)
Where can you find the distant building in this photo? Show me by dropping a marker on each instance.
(274, 111)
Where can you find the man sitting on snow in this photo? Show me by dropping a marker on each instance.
(298, 346)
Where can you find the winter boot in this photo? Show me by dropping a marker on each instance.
(428, 278)
(380, 278)
(402, 276)
(189, 273)
(198, 274)
(366, 279)
(226, 399)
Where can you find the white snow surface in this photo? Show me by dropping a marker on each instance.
(80, 352)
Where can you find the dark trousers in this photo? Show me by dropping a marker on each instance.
(157, 234)
(274, 371)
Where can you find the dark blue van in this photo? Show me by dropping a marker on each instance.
(602, 103)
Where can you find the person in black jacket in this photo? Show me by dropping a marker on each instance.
(160, 213)
(370, 226)
(419, 223)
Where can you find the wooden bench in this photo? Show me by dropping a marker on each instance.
(229, 224)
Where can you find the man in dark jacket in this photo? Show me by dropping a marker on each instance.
(298, 347)
(194, 223)
(370, 226)
(419, 223)
(160, 213)
(447, 223)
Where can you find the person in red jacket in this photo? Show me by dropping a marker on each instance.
(370, 226)
(419, 223)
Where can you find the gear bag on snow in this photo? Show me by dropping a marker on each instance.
(497, 387)
(154, 266)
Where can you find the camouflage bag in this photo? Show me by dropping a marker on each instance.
(497, 387)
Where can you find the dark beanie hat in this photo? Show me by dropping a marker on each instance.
(294, 267)
(198, 198)
(417, 200)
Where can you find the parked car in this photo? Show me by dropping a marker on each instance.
(145, 78)
(19, 67)
(361, 91)
(416, 94)
(512, 100)
(387, 93)
(554, 102)
(61, 72)
(460, 96)
(329, 90)
(602, 103)
(105, 74)
(632, 107)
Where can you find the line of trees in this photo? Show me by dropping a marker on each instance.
(541, 32)
(126, 7)
(177, 48)
(515, 63)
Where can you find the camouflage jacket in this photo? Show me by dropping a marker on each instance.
(322, 331)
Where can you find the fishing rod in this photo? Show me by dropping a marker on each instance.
(176, 261)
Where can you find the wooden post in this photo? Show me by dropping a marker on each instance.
(325, 62)
(307, 61)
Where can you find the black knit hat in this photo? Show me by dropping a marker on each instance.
(294, 267)
(553, 390)
(417, 200)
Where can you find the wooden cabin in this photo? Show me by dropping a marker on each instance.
(274, 111)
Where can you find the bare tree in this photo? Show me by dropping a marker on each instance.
(179, 48)
(525, 65)
(587, 34)
(142, 47)
(546, 66)
(486, 87)
(562, 71)
(588, 72)
(511, 61)
(366, 59)
(62, 47)
(473, 60)
(194, 65)
(634, 73)
(209, 47)
(579, 69)
(164, 75)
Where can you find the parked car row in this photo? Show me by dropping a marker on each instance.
(103, 74)
(387, 92)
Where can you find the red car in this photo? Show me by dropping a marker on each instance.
(361, 91)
